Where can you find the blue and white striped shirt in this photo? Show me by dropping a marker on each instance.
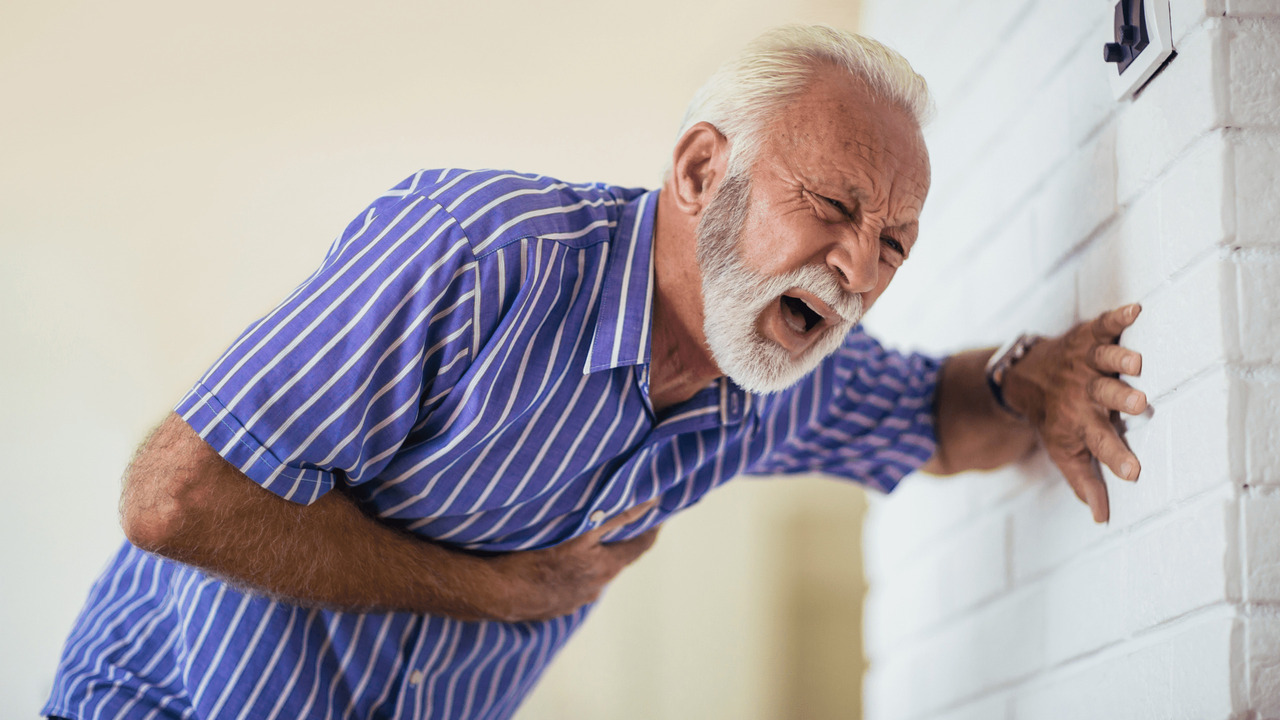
(471, 364)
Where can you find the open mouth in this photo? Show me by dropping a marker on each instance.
(798, 315)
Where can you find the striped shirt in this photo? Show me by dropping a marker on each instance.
(471, 364)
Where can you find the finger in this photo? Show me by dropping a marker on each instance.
(1115, 360)
(626, 551)
(1105, 444)
(1083, 478)
(1108, 326)
(1114, 394)
(626, 517)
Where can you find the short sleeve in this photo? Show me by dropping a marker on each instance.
(866, 414)
(334, 378)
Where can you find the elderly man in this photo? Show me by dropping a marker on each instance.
(398, 494)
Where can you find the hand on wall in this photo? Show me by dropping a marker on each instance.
(1068, 387)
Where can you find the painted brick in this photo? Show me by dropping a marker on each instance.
(999, 644)
(1264, 665)
(1183, 562)
(1061, 71)
(961, 43)
(1257, 184)
(1117, 202)
(1082, 86)
(900, 605)
(978, 185)
(913, 319)
(996, 188)
(1197, 420)
(1180, 329)
(1137, 581)
(1254, 432)
(971, 567)
(1256, 336)
(1253, 7)
(1186, 15)
(1049, 310)
(1001, 267)
(1050, 525)
(1197, 211)
(1086, 601)
(1174, 109)
(1078, 198)
(950, 575)
(1191, 425)
(1262, 552)
(995, 707)
(1039, 56)
(924, 510)
(1255, 72)
(901, 28)
(995, 646)
(899, 525)
(1122, 265)
(1185, 672)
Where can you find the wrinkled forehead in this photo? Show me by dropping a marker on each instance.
(839, 131)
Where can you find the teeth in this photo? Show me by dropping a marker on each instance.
(793, 315)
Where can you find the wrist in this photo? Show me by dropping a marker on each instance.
(502, 588)
(456, 584)
(1006, 378)
(1023, 396)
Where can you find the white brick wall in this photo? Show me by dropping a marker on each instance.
(993, 596)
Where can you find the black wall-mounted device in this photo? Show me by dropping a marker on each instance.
(1130, 34)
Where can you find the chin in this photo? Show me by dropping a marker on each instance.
(760, 365)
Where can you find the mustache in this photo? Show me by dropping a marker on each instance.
(821, 282)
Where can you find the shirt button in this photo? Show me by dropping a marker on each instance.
(597, 517)
(415, 677)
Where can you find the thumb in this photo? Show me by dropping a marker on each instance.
(626, 552)
(625, 518)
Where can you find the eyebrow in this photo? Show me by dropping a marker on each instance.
(857, 193)
(907, 233)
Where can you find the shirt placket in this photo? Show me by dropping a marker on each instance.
(723, 404)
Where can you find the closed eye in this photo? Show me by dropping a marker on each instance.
(894, 245)
(837, 205)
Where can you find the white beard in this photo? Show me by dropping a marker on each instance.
(734, 297)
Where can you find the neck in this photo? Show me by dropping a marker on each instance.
(679, 362)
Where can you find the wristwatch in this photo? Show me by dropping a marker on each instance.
(1003, 359)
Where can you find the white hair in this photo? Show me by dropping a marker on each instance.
(745, 93)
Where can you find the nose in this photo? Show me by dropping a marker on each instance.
(856, 263)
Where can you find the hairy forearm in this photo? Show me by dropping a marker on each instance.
(973, 431)
(184, 502)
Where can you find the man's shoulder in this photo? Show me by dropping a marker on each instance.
(497, 207)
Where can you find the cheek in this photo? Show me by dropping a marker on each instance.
(775, 247)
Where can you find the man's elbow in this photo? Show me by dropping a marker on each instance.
(157, 500)
(151, 519)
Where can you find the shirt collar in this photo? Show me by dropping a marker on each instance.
(626, 309)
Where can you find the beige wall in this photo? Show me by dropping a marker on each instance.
(168, 171)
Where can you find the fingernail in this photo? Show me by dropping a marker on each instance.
(1126, 470)
(1132, 403)
(1131, 365)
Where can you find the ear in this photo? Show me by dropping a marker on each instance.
(698, 164)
